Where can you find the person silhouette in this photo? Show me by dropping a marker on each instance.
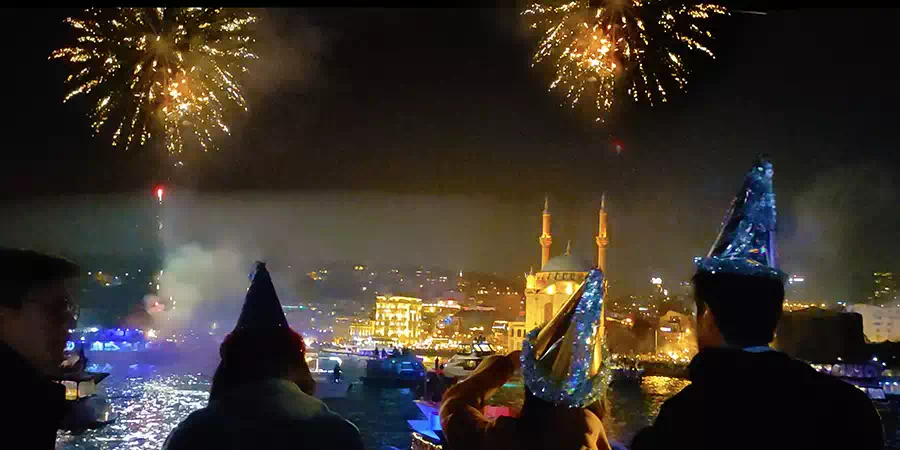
(262, 392)
(740, 386)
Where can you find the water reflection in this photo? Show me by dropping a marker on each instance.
(151, 404)
(634, 407)
(147, 409)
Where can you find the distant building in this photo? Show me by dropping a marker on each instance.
(435, 319)
(795, 291)
(675, 333)
(474, 321)
(361, 329)
(675, 322)
(341, 327)
(885, 290)
(879, 324)
(398, 317)
(515, 335)
(821, 336)
(561, 276)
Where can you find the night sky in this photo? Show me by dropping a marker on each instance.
(425, 136)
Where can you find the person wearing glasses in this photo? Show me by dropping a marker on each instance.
(36, 311)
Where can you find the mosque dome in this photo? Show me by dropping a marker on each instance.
(567, 263)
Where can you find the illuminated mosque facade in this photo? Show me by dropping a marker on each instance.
(559, 276)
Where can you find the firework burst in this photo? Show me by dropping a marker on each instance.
(599, 48)
(166, 72)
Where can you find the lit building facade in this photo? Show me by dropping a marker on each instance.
(398, 317)
(515, 335)
(879, 324)
(560, 276)
(361, 330)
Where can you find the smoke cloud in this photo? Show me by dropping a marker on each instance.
(834, 221)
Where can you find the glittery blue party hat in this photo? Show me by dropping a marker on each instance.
(746, 243)
(565, 361)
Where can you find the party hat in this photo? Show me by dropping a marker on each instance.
(261, 309)
(746, 243)
(565, 362)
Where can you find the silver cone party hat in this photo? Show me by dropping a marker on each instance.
(565, 362)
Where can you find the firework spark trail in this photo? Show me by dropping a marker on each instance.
(636, 45)
(167, 72)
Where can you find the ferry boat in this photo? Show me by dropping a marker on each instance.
(85, 410)
(401, 371)
(467, 358)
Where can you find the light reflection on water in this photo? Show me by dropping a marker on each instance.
(147, 409)
(151, 405)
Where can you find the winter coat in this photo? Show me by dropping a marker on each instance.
(271, 414)
(37, 404)
(762, 400)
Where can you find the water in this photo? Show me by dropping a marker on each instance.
(150, 402)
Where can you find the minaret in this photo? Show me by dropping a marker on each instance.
(602, 237)
(545, 238)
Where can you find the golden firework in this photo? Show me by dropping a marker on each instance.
(159, 71)
(598, 47)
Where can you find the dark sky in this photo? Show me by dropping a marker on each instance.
(441, 107)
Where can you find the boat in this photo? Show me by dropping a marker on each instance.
(85, 410)
(398, 371)
(467, 358)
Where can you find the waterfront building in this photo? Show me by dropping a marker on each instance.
(879, 324)
(398, 317)
(560, 276)
(361, 329)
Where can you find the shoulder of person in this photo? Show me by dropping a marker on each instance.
(838, 390)
(686, 398)
(192, 430)
(334, 431)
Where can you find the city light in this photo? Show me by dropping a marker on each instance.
(656, 280)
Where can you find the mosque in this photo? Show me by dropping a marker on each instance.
(560, 276)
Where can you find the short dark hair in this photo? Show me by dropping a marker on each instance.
(746, 308)
(23, 270)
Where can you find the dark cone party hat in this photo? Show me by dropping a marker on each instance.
(261, 308)
(565, 362)
(746, 243)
